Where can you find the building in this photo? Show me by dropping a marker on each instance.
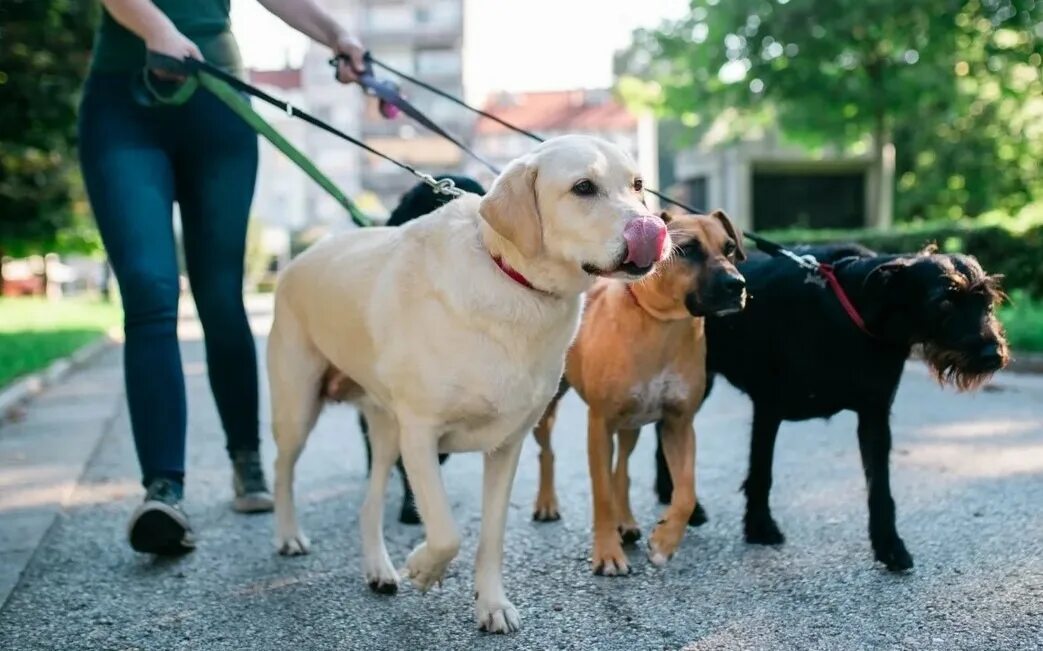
(423, 38)
(765, 184)
(556, 113)
(280, 199)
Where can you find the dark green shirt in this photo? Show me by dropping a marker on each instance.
(206, 22)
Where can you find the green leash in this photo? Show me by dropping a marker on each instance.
(242, 108)
(148, 94)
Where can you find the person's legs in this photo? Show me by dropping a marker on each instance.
(129, 181)
(130, 184)
(216, 167)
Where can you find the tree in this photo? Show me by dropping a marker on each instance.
(843, 72)
(44, 50)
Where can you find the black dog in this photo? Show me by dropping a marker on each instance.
(799, 355)
(417, 202)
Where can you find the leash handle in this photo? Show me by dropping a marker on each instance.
(373, 86)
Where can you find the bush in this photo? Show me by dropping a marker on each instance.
(1003, 244)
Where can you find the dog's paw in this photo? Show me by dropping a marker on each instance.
(424, 569)
(497, 615)
(292, 544)
(609, 559)
(663, 542)
(699, 516)
(546, 509)
(381, 576)
(762, 530)
(630, 533)
(894, 555)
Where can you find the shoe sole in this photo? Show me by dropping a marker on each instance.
(253, 503)
(158, 528)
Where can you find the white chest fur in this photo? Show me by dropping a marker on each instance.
(649, 399)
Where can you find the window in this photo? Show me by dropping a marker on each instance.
(438, 62)
(389, 18)
(399, 58)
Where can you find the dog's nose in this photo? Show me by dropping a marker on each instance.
(645, 238)
(990, 355)
(733, 285)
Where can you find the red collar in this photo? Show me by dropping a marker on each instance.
(830, 275)
(513, 273)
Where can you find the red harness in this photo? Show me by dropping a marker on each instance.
(830, 275)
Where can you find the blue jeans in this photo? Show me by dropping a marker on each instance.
(136, 163)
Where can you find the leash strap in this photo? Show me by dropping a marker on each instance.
(762, 243)
(829, 273)
(388, 92)
(224, 86)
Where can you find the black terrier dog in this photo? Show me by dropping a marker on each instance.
(417, 202)
(798, 355)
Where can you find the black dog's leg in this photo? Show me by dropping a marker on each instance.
(364, 426)
(760, 527)
(874, 442)
(409, 513)
(664, 486)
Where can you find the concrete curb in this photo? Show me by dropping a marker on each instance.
(28, 386)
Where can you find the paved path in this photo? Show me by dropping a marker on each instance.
(968, 479)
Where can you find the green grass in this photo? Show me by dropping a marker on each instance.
(1022, 316)
(35, 331)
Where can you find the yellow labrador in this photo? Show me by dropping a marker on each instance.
(450, 333)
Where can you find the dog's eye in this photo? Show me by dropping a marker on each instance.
(639, 185)
(729, 248)
(585, 188)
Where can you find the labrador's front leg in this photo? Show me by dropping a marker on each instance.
(495, 612)
(426, 565)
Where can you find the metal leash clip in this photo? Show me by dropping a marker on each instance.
(444, 186)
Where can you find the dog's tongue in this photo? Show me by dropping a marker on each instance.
(644, 237)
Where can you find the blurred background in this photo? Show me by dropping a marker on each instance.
(888, 122)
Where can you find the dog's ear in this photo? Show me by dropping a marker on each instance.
(734, 232)
(929, 249)
(511, 208)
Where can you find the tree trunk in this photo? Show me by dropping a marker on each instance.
(883, 176)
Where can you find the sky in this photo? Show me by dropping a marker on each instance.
(512, 45)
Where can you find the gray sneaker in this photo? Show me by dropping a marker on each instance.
(159, 526)
(251, 489)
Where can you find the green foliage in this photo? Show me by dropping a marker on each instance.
(44, 50)
(1022, 317)
(955, 84)
(1003, 244)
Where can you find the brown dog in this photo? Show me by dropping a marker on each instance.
(640, 357)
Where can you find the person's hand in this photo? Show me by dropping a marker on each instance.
(349, 69)
(169, 41)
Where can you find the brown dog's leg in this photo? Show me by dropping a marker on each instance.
(546, 509)
(628, 528)
(608, 557)
(679, 449)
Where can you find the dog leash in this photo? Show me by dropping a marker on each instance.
(392, 101)
(818, 272)
(225, 86)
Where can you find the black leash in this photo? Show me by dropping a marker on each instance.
(189, 66)
(389, 95)
(764, 244)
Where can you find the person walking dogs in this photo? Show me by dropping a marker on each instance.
(138, 158)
